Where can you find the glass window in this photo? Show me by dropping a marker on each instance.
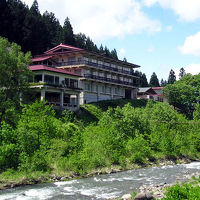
(116, 91)
(108, 90)
(87, 86)
(73, 83)
(48, 79)
(38, 78)
(94, 88)
(56, 80)
(67, 82)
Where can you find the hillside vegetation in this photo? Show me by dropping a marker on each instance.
(101, 135)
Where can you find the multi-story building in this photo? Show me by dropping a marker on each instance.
(100, 77)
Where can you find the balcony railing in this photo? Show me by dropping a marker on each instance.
(59, 85)
(90, 76)
(96, 65)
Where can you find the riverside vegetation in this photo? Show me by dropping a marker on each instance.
(42, 142)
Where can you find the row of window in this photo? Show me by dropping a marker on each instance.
(101, 74)
(104, 89)
(79, 59)
(49, 79)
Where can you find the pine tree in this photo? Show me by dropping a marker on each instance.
(80, 40)
(125, 60)
(113, 54)
(143, 81)
(154, 80)
(182, 73)
(163, 83)
(101, 49)
(54, 29)
(172, 77)
(68, 34)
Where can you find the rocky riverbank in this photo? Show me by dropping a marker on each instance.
(22, 181)
(147, 192)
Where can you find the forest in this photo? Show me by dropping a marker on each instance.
(36, 32)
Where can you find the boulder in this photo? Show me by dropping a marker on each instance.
(144, 196)
(126, 197)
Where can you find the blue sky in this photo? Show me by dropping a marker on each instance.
(158, 35)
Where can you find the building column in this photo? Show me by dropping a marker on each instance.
(61, 98)
(78, 101)
(43, 77)
(42, 95)
(112, 92)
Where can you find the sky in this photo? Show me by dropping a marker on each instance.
(158, 35)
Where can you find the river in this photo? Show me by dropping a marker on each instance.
(102, 186)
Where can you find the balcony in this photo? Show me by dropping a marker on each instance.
(90, 76)
(96, 65)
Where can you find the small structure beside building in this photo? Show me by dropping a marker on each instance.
(153, 93)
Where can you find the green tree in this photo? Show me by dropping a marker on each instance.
(54, 29)
(154, 82)
(68, 34)
(181, 96)
(35, 31)
(144, 82)
(172, 77)
(13, 77)
(182, 73)
(163, 83)
(114, 54)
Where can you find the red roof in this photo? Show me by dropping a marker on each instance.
(43, 67)
(62, 46)
(41, 58)
(157, 88)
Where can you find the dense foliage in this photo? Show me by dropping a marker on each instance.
(13, 78)
(17, 18)
(189, 191)
(40, 141)
(184, 94)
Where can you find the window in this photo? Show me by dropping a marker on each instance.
(102, 89)
(114, 77)
(67, 82)
(95, 73)
(73, 83)
(87, 71)
(116, 91)
(56, 80)
(108, 90)
(87, 86)
(94, 88)
(38, 78)
(108, 75)
(101, 74)
(48, 79)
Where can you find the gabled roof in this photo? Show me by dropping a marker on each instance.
(157, 88)
(41, 58)
(51, 69)
(146, 89)
(64, 47)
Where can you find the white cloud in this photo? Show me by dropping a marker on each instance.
(102, 19)
(185, 9)
(169, 28)
(191, 68)
(191, 45)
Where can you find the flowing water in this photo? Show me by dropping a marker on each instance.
(103, 186)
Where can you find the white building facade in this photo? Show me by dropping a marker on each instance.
(101, 78)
